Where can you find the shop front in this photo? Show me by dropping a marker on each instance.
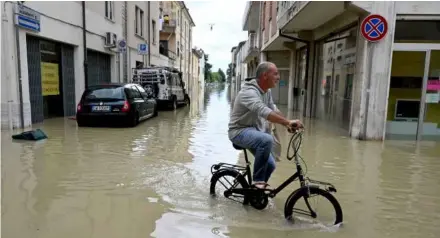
(414, 92)
(336, 66)
(375, 89)
(51, 78)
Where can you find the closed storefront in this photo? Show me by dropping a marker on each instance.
(336, 71)
(99, 67)
(51, 79)
(281, 90)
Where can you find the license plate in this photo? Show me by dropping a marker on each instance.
(101, 108)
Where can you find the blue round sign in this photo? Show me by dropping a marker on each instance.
(122, 43)
(374, 27)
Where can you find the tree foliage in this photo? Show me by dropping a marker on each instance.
(229, 73)
(208, 68)
(222, 75)
(210, 76)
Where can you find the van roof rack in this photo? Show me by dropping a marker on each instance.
(173, 70)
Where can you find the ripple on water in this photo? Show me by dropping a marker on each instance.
(154, 180)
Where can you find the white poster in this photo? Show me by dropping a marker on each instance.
(433, 97)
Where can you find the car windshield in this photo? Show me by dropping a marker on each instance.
(116, 93)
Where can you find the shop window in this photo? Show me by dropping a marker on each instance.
(51, 79)
(348, 86)
(350, 42)
(406, 82)
(417, 31)
(336, 83)
(139, 64)
(336, 72)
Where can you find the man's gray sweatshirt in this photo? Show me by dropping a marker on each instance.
(251, 108)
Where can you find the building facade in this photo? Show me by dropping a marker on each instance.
(240, 71)
(197, 84)
(373, 90)
(142, 23)
(46, 58)
(176, 36)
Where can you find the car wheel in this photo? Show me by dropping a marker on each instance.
(187, 101)
(80, 123)
(174, 103)
(134, 120)
(155, 111)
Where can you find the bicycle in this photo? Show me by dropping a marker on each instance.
(259, 198)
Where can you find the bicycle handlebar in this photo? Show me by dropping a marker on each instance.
(296, 136)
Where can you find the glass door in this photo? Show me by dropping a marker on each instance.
(405, 93)
(431, 122)
(414, 93)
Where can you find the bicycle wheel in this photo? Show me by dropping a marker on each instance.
(294, 208)
(228, 179)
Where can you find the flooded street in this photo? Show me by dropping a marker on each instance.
(153, 181)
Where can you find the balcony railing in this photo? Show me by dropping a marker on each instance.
(168, 53)
(251, 47)
(287, 10)
(253, 41)
(169, 23)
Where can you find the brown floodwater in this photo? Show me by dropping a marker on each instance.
(153, 181)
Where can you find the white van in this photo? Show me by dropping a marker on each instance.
(164, 83)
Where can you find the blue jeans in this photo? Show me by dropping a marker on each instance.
(260, 145)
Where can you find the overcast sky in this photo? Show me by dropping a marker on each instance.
(226, 33)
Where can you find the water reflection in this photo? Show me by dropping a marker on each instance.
(153, 180)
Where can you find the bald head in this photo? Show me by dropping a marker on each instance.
(262, 68)
(267, 75)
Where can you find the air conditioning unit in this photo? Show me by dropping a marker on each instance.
(110, 39)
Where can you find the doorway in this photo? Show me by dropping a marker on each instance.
(280, 92)
(51, 75)
(414, 93)
(52, 85)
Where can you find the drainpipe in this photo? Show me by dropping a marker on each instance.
(20, 81)
(86, 66)
(6, 67)
(125, 54)
(149, 34)
(181, 26)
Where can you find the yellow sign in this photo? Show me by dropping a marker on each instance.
(50, 80)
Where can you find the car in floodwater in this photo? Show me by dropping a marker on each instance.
(125, 103)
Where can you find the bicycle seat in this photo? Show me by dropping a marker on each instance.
(237, 147)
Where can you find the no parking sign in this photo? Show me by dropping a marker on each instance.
(374, 27)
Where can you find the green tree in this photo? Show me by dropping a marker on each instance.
(215, 77)
(208, 68)
(229, 73)
(221, 75)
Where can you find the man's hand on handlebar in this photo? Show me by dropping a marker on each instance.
(294, 126)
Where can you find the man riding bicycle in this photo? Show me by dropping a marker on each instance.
(253, 108)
